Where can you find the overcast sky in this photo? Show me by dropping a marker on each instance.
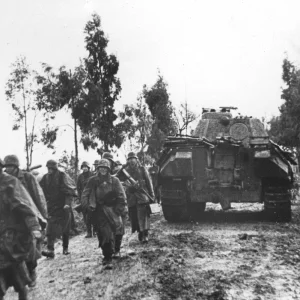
(212, 53)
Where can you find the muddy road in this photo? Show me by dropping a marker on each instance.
(227, 255)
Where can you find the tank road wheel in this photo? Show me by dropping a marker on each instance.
(277, 202)
(175, 213)
(196, 209)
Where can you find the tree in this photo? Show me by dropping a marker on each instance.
(285, 129)
(67, 162)
(184, 117)
(58, 90)
(138, 121)
(102, 69)
(162, 111)
(20, 92)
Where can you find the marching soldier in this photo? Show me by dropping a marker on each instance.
(19, 228)
(36, 193)
(121, 231)
(81, 183)
(95, 164)
(118, 166)
(139, 196)
(105, 197)
(59, 190)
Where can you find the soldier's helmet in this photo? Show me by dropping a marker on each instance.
(96, 162)
(11, 160)
(85, 164)
(108, 155)
(118, 163)
(131, 155)
(51, 164)
(104, 163)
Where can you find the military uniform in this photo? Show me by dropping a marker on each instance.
(139, 202)
(59, 190)
(36, 193)
(17, 222)
(81, 183)
(121, 230)
(103, 194)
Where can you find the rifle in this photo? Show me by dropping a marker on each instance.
(29, 169)
(134, 183)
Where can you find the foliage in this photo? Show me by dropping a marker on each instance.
(162, 111)
(58, 90)
(104, 90)
(285, 129)
(138, 122)
(67, 162)
(184, 117)
(20, 91)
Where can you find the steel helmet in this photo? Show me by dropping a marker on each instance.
(85, 164)
(51, 164)
(104, 163)
(131, 155)
(118, 163)
(96, 162)
(108, 155)
(11, 160)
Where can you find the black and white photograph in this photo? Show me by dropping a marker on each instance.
(150, 150)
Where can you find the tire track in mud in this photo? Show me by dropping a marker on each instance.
(211, 259)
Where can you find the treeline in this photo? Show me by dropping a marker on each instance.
(89, 93)
(285, 128)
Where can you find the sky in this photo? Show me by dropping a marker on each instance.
(211, 53)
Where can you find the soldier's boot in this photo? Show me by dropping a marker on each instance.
(107, 263)
(23, 294)
(33, 277)
(118, 242)
(65, 243)
(66, 251)
(145, 237)
(48, 253)
(50, 247)
(140, 236)
(89, 232)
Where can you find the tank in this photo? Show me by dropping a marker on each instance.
(228, 159)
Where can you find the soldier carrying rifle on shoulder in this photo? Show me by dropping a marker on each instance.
(140, 194)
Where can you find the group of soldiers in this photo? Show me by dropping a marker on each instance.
(107, 196)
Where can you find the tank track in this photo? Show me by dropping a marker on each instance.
(176, 213)
(277, 203)
(196, 209)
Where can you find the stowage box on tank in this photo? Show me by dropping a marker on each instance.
(226, 160)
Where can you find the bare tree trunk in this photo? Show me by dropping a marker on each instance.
(76, 148)
(32, 140)
(26, 130)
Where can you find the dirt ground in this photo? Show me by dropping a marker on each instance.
(227, 255)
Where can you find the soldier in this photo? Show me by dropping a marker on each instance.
(139, 201)
(105, 197)
(110, 158)
(81, 183)
(118, 166)
(59, 190)
(121, 231)
(36, 193)
(96, 163)
(19, 227)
